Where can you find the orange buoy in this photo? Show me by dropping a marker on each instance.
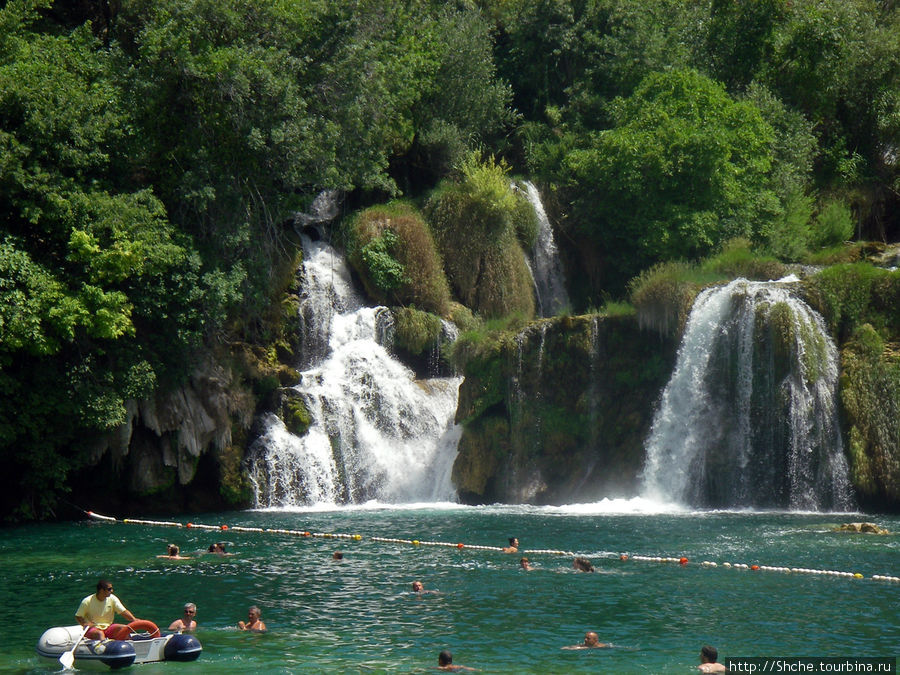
(459, 545)
(189, 525)
(683, 561)
(754, 567)
(623, 557)
(224, 527)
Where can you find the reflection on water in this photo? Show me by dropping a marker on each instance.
(358, 615)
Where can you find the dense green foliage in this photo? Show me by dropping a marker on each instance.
(682, 169)
(606, 88)
(153, 155)
(150, 156)
(851, 295)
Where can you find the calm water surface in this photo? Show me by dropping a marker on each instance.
(357, 615)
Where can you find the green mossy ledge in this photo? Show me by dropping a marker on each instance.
(559, 411)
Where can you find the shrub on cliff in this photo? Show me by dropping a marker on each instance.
(737, 259)
(476, 220)
(662, 296)
(852, 294)
(391, 248)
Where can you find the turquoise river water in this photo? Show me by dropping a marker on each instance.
(359, 616)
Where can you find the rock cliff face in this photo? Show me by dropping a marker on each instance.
(178, 450)
(556, 413)
(559, 412)
(870, 398)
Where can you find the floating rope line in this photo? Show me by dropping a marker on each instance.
(624, 557)
(760, 568)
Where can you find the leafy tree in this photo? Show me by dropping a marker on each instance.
(684, 168)
(76, 255)
(838, 62)
(740, 38)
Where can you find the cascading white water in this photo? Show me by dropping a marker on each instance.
(377, 433)
(546, 268)
(749, 416)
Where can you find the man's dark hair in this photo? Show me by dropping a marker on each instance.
(445, 658)
(102, 584)
(709, 653)
(583, 564)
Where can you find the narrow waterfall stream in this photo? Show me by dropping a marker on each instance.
(749, 417)
(377, 433)
(549, 281)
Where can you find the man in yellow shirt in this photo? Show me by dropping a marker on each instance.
(98, 611)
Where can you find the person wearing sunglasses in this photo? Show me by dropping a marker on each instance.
(186, 623)
(98, 611)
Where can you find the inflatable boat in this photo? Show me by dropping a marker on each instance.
(141, 647)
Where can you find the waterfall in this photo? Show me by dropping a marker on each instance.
(377, 433)
(546, 268)
(749, 417)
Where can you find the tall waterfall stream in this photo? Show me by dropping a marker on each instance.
(749, 417)
(546, 268)
(377, 433)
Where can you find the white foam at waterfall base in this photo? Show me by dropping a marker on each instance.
(706, 449)
(377, 433)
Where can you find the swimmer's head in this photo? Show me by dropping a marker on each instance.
(418, 586)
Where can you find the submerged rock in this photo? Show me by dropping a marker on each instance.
(868, 528)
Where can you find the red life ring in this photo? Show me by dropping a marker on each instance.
(122, 633)
(142, 626)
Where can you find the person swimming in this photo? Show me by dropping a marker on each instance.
(582, 564)
(445, 662)
(591, 641)
(254, 623)
(419, 588)
(513, 546)
(709, 661)
(173, 553)
(188, 622)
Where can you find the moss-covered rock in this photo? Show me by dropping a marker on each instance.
(483, 446)
(870, 395)
(559, 410)
(477, 222)
(414, 330)
(392, 249)
(294, 412)
(852, 294)
(663, 297)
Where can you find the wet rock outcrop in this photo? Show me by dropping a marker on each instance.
(559, 411)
